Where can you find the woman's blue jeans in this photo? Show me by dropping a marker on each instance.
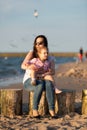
(41, 85)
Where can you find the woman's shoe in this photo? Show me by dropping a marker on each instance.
(37, 117)
(54, 117)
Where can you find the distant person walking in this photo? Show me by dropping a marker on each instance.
(80, 55)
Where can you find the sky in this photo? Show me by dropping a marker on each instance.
(63, 22)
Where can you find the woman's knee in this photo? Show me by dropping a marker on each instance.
(40, 85)
(27, 85)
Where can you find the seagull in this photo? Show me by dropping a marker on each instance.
(35, 13)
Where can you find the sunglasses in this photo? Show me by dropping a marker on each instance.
(39, 43)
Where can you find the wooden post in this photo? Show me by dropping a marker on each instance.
(11, 102)
(43, 106)
(84, 101)
(64, 102)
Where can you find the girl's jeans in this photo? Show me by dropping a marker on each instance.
(41, 85)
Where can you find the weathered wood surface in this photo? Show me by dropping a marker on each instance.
(11, 102)
(43, 106)
(65, 102)
(84, 101)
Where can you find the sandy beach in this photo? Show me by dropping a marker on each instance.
(71, 76)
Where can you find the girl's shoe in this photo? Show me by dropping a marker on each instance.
(57, 91)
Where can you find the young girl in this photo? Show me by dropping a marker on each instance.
(44, 68)
(42, 64)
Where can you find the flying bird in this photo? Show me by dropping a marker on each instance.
(35, 13)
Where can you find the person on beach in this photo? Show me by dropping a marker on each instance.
(41, 85)
(80, 55)
(43, 64)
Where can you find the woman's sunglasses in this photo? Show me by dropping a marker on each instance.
(39, 43)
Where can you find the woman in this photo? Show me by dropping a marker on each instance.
(41, 85)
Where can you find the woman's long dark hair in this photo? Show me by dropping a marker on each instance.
(45, 43)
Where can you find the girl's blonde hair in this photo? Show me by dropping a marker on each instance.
(42, 48)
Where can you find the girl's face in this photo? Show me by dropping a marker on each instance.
(43, 54)
(39, 43)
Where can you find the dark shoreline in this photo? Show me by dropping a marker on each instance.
(23, 54)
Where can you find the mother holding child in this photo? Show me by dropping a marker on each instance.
(38, 77)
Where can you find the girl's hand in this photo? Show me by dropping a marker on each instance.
(33, 67)
(41, 69)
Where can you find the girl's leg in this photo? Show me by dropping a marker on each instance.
(51, 78)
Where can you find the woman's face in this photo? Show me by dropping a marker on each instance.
(39, 42)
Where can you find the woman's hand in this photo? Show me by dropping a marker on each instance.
(28, 57)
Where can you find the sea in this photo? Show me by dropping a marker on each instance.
(11, 72)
